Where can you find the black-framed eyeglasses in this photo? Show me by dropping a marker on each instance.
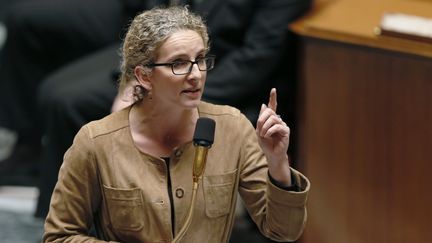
(185, 66)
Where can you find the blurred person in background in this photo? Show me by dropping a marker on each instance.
(43, 36)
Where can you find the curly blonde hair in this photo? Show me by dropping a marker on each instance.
(147, 32)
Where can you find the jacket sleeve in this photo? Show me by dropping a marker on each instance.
(245, 69)
(76, 196)
(279, 214)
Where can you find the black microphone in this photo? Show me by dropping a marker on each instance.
(203, 139)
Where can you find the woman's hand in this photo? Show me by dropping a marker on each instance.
(273, 137)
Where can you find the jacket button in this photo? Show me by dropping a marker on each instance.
(179, 192)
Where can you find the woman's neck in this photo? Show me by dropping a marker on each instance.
(164, 129)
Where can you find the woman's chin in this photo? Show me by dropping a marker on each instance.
(192, 103)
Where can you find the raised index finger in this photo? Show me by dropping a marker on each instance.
(272, 104)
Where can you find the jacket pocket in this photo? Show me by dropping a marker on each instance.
(125, 208)
(218, 193)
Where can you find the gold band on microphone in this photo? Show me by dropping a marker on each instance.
(200, 161)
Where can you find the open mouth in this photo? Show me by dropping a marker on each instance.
(191, 91)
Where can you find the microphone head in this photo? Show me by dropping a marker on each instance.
(204, 132)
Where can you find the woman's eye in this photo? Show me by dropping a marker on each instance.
(200, 58)
(180, 63)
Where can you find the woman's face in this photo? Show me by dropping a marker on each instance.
(179, 90)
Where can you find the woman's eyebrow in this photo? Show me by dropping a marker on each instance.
(186, 57)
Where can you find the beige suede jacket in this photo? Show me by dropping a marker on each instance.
(106, 182)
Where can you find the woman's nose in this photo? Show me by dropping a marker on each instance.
(195, 72)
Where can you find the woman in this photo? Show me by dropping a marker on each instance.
(130, 174)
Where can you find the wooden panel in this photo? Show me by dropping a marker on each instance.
(365, 142)
(354, 21)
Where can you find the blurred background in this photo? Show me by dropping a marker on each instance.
(360, 110)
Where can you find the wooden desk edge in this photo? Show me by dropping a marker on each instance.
(407, 46)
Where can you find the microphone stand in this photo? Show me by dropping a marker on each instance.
(198, 169)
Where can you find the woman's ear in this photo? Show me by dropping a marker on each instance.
(142, 75)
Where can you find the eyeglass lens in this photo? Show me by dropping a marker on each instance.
(184, 67)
